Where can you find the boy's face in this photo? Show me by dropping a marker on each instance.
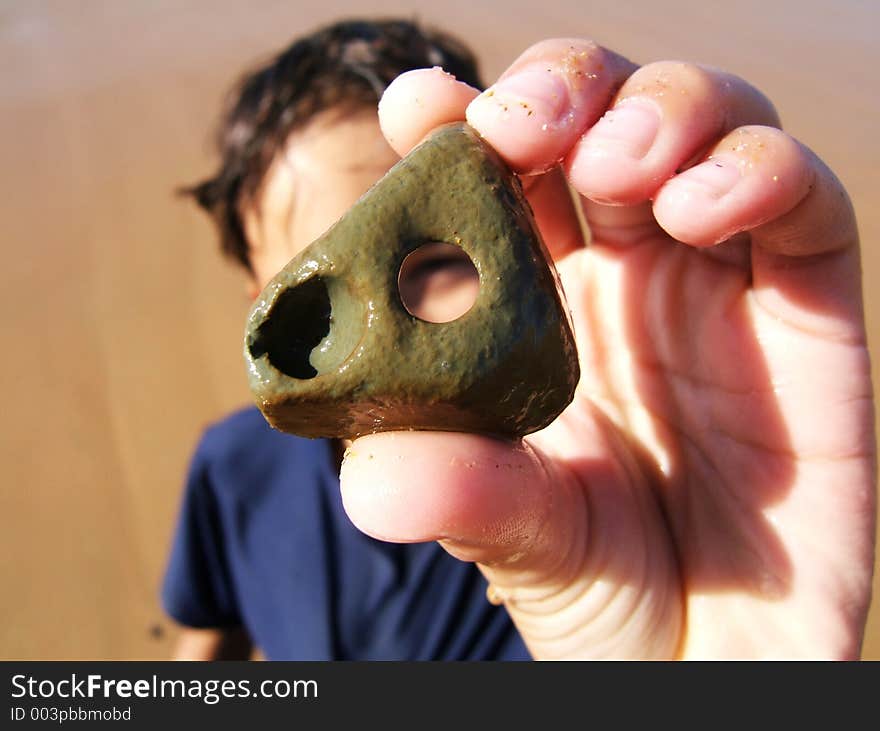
(327, 165)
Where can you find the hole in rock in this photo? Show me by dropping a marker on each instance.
(299, 321)
(438, 282)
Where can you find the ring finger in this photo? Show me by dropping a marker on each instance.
(663, 119)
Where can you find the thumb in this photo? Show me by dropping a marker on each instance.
(573, 587)
(496, 502)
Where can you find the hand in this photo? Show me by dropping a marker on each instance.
(710, 491)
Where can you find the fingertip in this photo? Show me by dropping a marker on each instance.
(608, 164)
(690, 207)
(384, 490)
(418, 101)
(752, 176)
(420, 486)
(545, 101)
(610, 179)
(527, 118)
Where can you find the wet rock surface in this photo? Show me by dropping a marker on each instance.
(331, 350)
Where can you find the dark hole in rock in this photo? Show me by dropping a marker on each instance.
(299, 321)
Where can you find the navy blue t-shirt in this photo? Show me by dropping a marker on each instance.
(263, 542)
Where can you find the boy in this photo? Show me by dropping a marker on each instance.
(264, 553)
(710, 490)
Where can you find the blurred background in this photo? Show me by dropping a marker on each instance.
(122, 325)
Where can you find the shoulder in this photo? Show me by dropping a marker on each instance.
(234, 433)
(244, 435)
(242, 448)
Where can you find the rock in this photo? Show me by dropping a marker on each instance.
(332, 352)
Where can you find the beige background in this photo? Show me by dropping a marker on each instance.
(120, 324)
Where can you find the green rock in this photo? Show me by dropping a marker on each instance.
(332, 352)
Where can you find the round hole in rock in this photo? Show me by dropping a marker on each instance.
(298, 321)
(438, 282)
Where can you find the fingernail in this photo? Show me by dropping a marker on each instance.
(629, 129)
(536, 93)
(715, 177)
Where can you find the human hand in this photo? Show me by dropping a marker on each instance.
(709, 492)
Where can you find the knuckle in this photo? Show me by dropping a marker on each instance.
(571, 56)
(723, 100)
(669, 78)
(560, 46)
(769, 154)
(764, 143)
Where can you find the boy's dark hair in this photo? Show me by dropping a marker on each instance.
(349, 63)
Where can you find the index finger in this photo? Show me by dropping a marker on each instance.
(419, 101)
